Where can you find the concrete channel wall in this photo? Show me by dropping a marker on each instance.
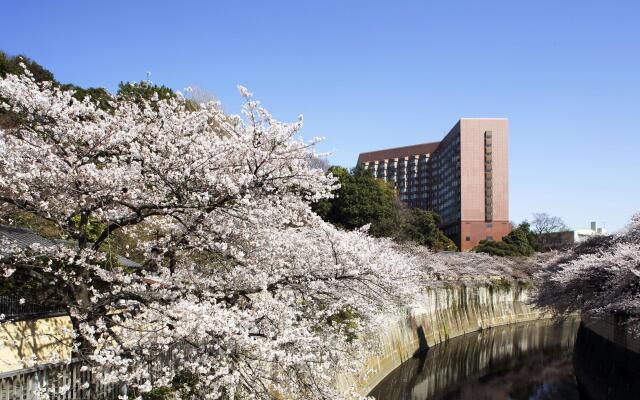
(606, 359)
(445, 313)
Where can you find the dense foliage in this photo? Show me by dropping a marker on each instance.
(144, 90)
(519, 242)
(360, 200)
(240, 280)
(14, 65)
(131, 91)
(11, 65)
(363, 200)
(421, 227)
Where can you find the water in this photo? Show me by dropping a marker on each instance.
(531, 361)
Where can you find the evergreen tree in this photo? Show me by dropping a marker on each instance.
(421, 227)
(361, 200)
(144, 90)
(517, 243)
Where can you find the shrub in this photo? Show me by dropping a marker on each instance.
(515, 244)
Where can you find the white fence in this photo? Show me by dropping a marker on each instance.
(64, 382)
(69, 381)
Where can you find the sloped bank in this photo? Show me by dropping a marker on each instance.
(446, 312)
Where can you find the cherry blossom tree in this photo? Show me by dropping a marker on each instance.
(242, 291)
(599, 277)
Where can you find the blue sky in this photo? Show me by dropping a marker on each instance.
(369, 75)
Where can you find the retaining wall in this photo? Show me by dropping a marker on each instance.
(606, 360)
(445, 313)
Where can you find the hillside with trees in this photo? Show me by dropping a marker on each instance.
(135, 91)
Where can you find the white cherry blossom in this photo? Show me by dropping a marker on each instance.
(241, 285)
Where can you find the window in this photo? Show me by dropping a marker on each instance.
(489, 237)
(468, 238)
(489, 225)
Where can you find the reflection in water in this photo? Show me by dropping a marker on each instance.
(524, 361)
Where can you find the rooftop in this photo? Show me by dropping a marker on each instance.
(25, 237)
(398, 152)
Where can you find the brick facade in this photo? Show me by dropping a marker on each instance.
(464, 178)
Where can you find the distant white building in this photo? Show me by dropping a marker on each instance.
(580, 235)
(565, 239)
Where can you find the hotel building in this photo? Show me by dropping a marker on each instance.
(463, 178)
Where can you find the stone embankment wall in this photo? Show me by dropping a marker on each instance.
(445, 313)
(616, 330)
(456, 364)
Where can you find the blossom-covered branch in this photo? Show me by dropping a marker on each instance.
(599, 277)
(240, 284)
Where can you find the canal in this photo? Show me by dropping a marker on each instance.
(521, 361)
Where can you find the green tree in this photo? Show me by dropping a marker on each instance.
(144, 90)
(361, 200)
(11, 65)
(126, 90)
(517, 243)
(421, 227)
(97, 95)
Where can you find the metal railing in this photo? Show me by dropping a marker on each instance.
(70, 381)
(13, 307)
(59, 382)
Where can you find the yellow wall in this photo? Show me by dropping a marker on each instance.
(36, 341)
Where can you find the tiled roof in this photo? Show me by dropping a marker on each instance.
(398, 152)
(25, 237)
